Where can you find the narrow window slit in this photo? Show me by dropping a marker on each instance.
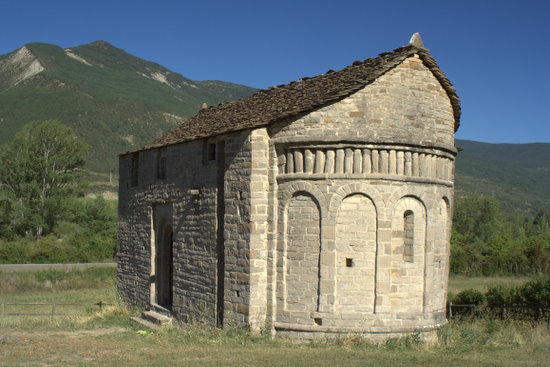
(212, 151)
(408, 236)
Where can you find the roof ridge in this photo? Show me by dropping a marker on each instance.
(278, 103)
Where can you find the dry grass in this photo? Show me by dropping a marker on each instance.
(458, 283)
(81, 289)
(106, 338)
(469, 344)
(54, 281)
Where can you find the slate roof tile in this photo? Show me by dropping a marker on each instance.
(284, 102)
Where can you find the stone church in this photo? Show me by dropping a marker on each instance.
(317, 208)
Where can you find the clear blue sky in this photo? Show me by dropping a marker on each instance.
(496, 52)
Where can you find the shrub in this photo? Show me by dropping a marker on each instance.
(48, 249)
(469, 297)
(13, 252)
(87, 246)
(536, 292)
(500, 295)
(533, 293)
(87, 235)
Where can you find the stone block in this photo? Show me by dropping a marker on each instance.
(274, 234)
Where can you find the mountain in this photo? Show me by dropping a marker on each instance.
(115, 101)
(516, 174)
(118, 102)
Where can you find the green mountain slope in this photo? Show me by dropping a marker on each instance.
(516, 174)
(118, 102)
(532, 155)
(115, 101)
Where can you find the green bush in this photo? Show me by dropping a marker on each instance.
(501, 295)
(469, 297)
(49, 249)
(88, 234)
(14, 252)
(533, 293)
(94, 237)
(536, 292)
(88, 246)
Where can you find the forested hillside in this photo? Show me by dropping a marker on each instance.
(118, 102)
(518, 175)
(532, 155)
(113, 100)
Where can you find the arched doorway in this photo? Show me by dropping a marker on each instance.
(164, 265)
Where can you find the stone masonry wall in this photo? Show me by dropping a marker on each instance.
(366, 162)
(300, 267)
(314, 229)
(377, 292)
(238, 225)
(260, 228)
(191, 193)
(355, 255)
(190, 189)
(407, 105)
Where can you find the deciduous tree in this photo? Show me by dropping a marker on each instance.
(39, 169)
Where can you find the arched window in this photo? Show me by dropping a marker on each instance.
(408, 236)
(408, 255)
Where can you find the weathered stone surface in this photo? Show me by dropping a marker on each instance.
(330, 222)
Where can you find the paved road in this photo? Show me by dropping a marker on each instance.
(36, 267)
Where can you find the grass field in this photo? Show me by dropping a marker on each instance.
(91, 337)
(459, 283)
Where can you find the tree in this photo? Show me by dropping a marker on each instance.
(39, 169)
(484, 241)
(478, 216)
